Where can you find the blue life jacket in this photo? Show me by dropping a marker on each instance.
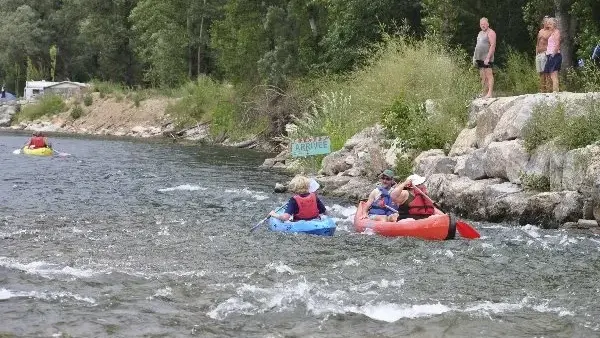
(378, 206)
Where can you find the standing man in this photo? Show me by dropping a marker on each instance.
(540, 55)
(483, 56)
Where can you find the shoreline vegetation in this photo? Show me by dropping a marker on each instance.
(418, 89)
(279, 69)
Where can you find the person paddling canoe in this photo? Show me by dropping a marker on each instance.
(38, 140)
(412, 203)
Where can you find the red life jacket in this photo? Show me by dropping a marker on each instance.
(307, 207)
(37, 142)
(420, 205)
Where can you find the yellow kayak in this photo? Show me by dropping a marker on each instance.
(38, 151)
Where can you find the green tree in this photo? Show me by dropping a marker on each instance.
(53, 54)
(352, 26)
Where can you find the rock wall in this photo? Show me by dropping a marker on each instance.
(481, 176)
(490, 161)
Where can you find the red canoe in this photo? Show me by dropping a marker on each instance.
(439, 226)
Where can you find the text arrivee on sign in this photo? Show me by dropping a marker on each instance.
(311, 146)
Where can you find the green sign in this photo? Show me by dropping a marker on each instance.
(311, 146)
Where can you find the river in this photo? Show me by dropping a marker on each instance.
(131, 238)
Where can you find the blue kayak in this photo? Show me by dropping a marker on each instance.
(322, 227)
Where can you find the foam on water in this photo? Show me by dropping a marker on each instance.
(257, 195)
(184, 187)
(279, 267)
(47, 270)
(318, 300)
(6, 294)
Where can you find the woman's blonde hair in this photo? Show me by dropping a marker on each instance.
(299, 184)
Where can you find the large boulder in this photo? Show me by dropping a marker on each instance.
(430, 165)
(539, 161)
(505, 160)
(7, 111)
(472, 166)
(466, 142)
(362, 155)
(551, 209)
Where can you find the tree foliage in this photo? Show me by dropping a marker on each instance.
(165, 43)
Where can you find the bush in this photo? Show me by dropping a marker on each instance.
(582, 130)
(583, 79)
(207, 101)
(329, 117)
(137, 98)
(547, 123)
(535, 182)
(47, 105)
(401, 75)
(519, 75)
(404, 165)
(88, 100)
(76, 112)
(107, 88)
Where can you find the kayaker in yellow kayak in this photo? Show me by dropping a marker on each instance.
(38, 140)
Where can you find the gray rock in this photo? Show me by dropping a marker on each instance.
(465, 143)
(550, 209)
(587, 223)
(474, 165)
(505, 160)
(7, 111)
(279, 188)
(430, 165)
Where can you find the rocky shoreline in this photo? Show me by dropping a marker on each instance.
(110, 117)
(481, 176)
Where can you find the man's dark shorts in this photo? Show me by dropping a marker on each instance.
(480, 64)
(553, 63)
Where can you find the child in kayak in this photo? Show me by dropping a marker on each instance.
(304, 205)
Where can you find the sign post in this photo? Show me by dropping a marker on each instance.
(311, 146)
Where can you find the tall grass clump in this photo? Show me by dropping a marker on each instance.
(108, 88)
(329, 116)
(207, 101)
(46, 105)
(405, 72)
(582, 130)
(76, 112)
(88, 99)
(583, 79)
(518, 76)
(545, 124)
(552, 123)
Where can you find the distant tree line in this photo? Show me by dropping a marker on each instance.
(164, 43)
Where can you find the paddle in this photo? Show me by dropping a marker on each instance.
(464, 229)
(59, 153)
(314, 186)
(266, 218)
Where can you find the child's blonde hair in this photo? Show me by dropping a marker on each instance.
(299, 184)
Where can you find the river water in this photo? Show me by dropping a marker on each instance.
(130, 238)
